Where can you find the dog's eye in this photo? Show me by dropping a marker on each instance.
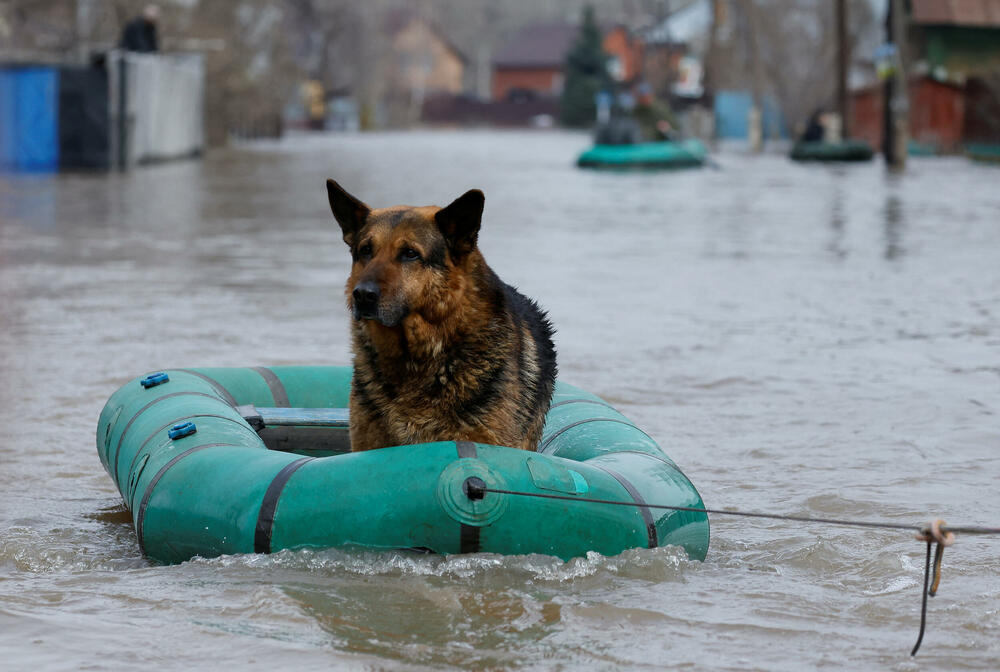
(365, 250)
(409, 254)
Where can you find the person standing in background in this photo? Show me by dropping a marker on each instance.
(815, 129)
(140, 33)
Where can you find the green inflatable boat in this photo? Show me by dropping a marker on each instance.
(243, 460)
(983, 152)
(846, 150)
(682, 154)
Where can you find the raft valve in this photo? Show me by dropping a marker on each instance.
(474, 487)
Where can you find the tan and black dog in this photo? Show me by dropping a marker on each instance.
(443, 349)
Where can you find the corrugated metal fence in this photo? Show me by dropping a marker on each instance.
(130, 109)
(159, 113)
(732, 110)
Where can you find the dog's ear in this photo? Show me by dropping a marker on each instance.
(459, 222)
(349, 212)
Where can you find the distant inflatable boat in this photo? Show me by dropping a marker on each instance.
(983, 152)
(846, 150)
(682, 154)
(243, 460)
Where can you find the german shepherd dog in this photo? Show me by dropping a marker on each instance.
(443, 349)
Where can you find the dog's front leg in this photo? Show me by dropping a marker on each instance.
(368, 432)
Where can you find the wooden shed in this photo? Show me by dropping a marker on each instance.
(937, 113)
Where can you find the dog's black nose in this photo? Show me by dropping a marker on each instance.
(366, 300)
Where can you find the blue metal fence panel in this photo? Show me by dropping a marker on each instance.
(774, 120)
(731, 115)
(38, 119)
(29, 119)
(8, 109)
(731, 110)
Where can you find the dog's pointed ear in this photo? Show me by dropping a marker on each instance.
(349, 212)
(459, 222)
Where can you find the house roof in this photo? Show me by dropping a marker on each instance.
(396, 20)
(537, 46)
(969, 13)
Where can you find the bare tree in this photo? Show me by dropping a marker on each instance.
(796, 41)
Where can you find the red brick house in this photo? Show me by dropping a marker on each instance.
(957, 45)
(626, 53)
(531, 64)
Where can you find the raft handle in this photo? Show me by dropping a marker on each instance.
(179, 431)
(154, 379)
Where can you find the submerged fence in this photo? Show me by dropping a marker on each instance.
(124, 110)
(29, 139)
(158, 106)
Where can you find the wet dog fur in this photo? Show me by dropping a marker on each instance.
(443, 349)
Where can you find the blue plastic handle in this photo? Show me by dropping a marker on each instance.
(181, 430)
(154, 379)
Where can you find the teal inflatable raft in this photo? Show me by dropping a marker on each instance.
(846, 150)
(683, 154)
(242, 460)
(983, 152)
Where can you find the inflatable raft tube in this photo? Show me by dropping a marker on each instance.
(242, 460)
(847, 150)
(684, 154)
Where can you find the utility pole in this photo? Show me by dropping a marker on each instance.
(897, 108)
(755, 130)
(843, 68)
(711, 65)
(83, 29)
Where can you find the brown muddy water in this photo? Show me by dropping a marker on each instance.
(807, 340)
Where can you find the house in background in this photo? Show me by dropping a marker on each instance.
(530, 67)
(527, 82)
(955, 40)
(936, 115)
(954, 87)
(531, 64)
(625, 52)
(420, 63)
(661, 64)
(674, 49)
(959, 42)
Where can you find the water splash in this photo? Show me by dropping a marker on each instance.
(659, 564)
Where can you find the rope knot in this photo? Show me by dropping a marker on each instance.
(932, 532)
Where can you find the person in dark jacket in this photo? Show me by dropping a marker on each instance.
(815, 129)
(655, 118)
(140, 33)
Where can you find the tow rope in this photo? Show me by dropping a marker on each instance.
(936, 532)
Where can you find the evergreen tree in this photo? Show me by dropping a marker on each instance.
(586, 74)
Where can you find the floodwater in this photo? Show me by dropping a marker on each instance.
(807, 340)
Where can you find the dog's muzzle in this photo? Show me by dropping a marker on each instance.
(365, 299)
